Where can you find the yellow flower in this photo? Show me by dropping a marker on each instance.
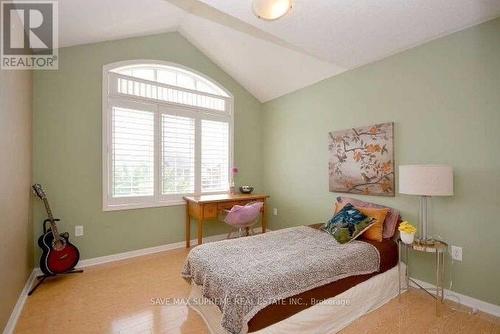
(407, 227)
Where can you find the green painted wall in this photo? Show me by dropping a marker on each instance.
(67, 144)
(444, 98)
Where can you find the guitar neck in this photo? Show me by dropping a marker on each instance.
(53, 225)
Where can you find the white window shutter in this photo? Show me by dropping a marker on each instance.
(178, 154)
(132, 154)
(214, 156)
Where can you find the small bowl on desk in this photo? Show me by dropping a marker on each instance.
(246, 189)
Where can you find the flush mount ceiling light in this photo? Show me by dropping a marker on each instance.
(271, 9)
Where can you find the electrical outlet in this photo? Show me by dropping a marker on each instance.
(78, 230)
(275, 211)
(456, 253)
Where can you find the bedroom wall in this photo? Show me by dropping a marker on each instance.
(16, 239)
(444, 98)
(67, 145)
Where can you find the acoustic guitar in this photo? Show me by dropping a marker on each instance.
(58, 254)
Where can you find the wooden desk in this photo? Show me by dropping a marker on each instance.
(207, 207)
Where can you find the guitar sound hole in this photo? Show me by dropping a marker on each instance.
(58, 245)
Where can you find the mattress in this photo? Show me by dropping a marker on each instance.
(287, 307)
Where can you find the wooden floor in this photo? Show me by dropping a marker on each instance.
(117, 298)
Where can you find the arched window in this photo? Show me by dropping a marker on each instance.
(167, 133)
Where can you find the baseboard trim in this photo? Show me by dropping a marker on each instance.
(456, 297)
(18, 308)
(145, 251)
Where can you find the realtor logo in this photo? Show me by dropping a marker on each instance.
(29, 35)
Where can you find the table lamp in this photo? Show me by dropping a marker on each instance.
(425, 181)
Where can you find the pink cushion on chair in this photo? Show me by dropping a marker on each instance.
(243, 215)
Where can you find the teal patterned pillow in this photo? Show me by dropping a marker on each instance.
(348, 224)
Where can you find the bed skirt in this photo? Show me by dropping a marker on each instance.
(329, 316)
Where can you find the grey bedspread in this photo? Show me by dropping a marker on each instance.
(243, 276)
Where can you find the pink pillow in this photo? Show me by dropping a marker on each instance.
(391, 220)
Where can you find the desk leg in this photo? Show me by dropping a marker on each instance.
(264, 217)
(188, 227)
(200, 231)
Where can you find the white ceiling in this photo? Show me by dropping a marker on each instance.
(317, 39)
(351, 33)
(262, 67)
(89, 21)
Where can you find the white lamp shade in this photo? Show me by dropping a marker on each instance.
(426, 180)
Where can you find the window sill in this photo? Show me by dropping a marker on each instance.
(133, 206)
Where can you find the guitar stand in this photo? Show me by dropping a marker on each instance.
(42, 278)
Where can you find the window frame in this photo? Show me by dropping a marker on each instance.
(109, 100)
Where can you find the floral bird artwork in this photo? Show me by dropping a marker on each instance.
(362, 160)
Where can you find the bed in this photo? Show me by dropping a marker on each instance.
(289, 287)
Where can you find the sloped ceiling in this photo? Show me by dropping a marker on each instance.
(317, 39)
(90, 21)
(265, 69)
(351, 33)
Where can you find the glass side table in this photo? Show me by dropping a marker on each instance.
(439, 248)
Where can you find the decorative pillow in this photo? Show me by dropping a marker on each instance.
(348, 224)
(378, 215)
(391, 220)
